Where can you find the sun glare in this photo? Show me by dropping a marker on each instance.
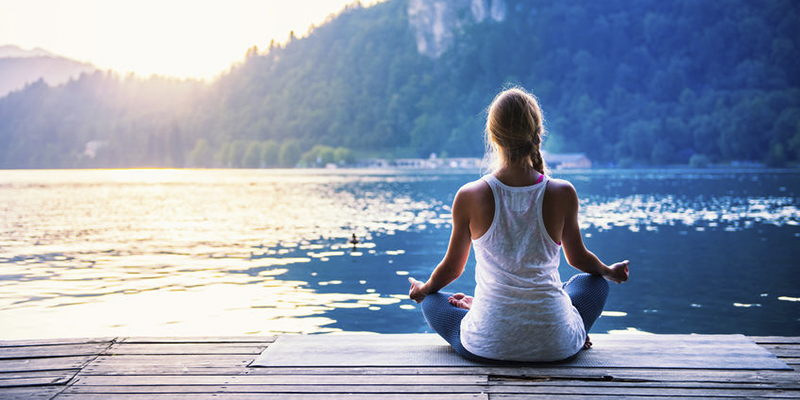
(179, 38)
(144, 175)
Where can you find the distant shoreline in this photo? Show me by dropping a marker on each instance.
(447, 170)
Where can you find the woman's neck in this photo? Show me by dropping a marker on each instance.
(517, 175)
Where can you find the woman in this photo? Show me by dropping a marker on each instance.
(517, 219)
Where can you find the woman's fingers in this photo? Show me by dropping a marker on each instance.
(416, 292)
(456, 302)
(622, 271)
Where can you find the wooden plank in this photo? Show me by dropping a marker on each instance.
(40, 381)
(345, 380)
(149, 380)
(38, 393)
(52, 342)
(275, 389)
(783, 350)
(308, 383)
(659, 375)
(228, 360)
(776, 339)
(199, 339)
(641, 391)
(183, 361)
(131, 369)
(599, 396)
(60, 373)
(516, 383)
(266, 396)
(437, 389)
(537, 373)
(37, 378)
(185, 348)
(44, 364)
(60, 350)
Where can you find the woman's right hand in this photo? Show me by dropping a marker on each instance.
(417, 291)
(618, 272)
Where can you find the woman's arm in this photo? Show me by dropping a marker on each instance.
(575, 251)
(452, 265)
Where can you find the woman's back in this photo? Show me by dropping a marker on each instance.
(517, 277)
(553, 204)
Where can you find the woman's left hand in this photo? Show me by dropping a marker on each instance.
(417, 291)
(619, 272)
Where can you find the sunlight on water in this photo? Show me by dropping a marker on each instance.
(734, 213)
(147, 252)
(228, 252)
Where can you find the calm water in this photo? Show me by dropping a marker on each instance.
(229, 252)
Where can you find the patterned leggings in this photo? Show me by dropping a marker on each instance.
(588, 294)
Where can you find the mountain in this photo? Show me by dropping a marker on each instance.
(19, 67)
(11, 51)
(628, 83)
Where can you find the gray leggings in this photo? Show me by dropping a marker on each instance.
(588, 294)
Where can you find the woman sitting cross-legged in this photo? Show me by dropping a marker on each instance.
(517, 219)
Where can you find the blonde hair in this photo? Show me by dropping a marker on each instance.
(514, 130)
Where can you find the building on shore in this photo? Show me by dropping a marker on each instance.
(567, 160)
(554, 161)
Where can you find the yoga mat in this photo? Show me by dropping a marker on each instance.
(429, 350)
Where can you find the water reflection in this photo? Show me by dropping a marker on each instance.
(189, 252)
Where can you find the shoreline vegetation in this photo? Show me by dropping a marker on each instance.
(455, 165)
(270, 154)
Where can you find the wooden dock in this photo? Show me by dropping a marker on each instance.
(206, 367)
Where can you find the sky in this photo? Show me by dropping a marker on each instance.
(177, 38)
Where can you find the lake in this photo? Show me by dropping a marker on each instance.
(87, 253)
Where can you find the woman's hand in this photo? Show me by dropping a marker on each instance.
(461, 300)
(417, 291)
(618, 272)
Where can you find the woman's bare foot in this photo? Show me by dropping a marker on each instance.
(588, 344)
(461, 300)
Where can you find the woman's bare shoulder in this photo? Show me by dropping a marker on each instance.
(561, 189)
(474, 191)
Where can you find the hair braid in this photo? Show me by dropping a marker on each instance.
(537, 161)
(514, 129)
(534, 117)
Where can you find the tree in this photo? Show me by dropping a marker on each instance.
(223, 156)
(237, 150)
(270, 150)
(200, 155)
(343, 155)
(252, 156)
(289, 154)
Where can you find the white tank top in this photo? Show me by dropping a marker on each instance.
(520, 312)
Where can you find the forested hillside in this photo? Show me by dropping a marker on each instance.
(643, 82)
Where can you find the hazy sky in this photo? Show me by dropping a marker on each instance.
(183, 38)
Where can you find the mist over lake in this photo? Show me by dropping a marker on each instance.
(227, 252)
